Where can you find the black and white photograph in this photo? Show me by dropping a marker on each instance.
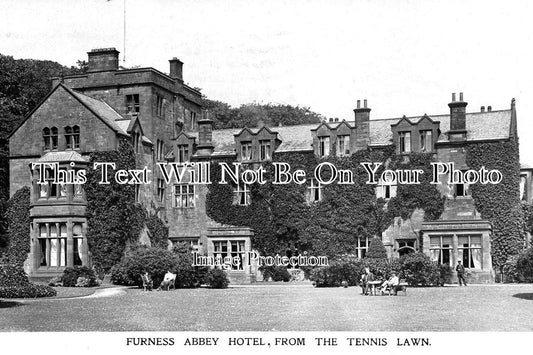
(287, 176)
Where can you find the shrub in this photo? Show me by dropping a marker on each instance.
(119, 275)
(187, 275)
(27, 291)
(276, 273)
(418, 269)
(376, 250)
(14, 284)
(524, 266)
(510, 270)
(140, 259)
(445, 274)
(12, 275)
(71, 274)
(347, 268)
(216, 278)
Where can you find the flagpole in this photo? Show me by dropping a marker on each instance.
(124, 57)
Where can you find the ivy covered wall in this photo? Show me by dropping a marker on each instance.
(283, 219)
(500, 203)
(113, 217)
(18, 217)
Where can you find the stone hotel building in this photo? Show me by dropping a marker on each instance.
(164, 119)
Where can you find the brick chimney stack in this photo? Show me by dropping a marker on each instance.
(103, 59)
(457, 118)
(362, 116)
(176, 69)
(205, 145)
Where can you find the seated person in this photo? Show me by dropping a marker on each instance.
(168, 281)
(391, 284)
(147, 281)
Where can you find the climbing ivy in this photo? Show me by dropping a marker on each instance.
(500, 203)
(113, 217)
(18, 216)
(158, 231)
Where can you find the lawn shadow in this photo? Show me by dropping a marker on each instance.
(524, 296)
(9, 304)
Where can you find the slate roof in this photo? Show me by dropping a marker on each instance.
(61, 156)
(101, 109)
(491, 125)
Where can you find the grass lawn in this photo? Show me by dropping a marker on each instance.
(281, 308)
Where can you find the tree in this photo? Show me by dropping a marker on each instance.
(376, 250)
(253, 114)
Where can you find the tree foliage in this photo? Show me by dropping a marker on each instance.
(250, 115)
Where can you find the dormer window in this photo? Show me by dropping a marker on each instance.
(323, 146)
(426, 141)
(246, 151)
(132, 104)
(72, 137)
(264, 149)
(405, 142)
(183, 153)
(50, 137)
(343, 145)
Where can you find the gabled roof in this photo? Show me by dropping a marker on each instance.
(98, 107)
(480, 126)
(101, 109)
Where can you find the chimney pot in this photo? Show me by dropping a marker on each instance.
(365, 103)
(336, 119)
(489, 108)
(460, 96)
(482, 108)
(331, 119)
(358, 103)
(453, 97)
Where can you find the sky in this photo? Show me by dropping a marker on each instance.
(404, 57)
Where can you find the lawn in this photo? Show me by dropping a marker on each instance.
(281, 308)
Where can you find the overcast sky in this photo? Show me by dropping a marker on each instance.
(405, 57)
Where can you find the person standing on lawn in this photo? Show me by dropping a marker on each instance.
(460, 273)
